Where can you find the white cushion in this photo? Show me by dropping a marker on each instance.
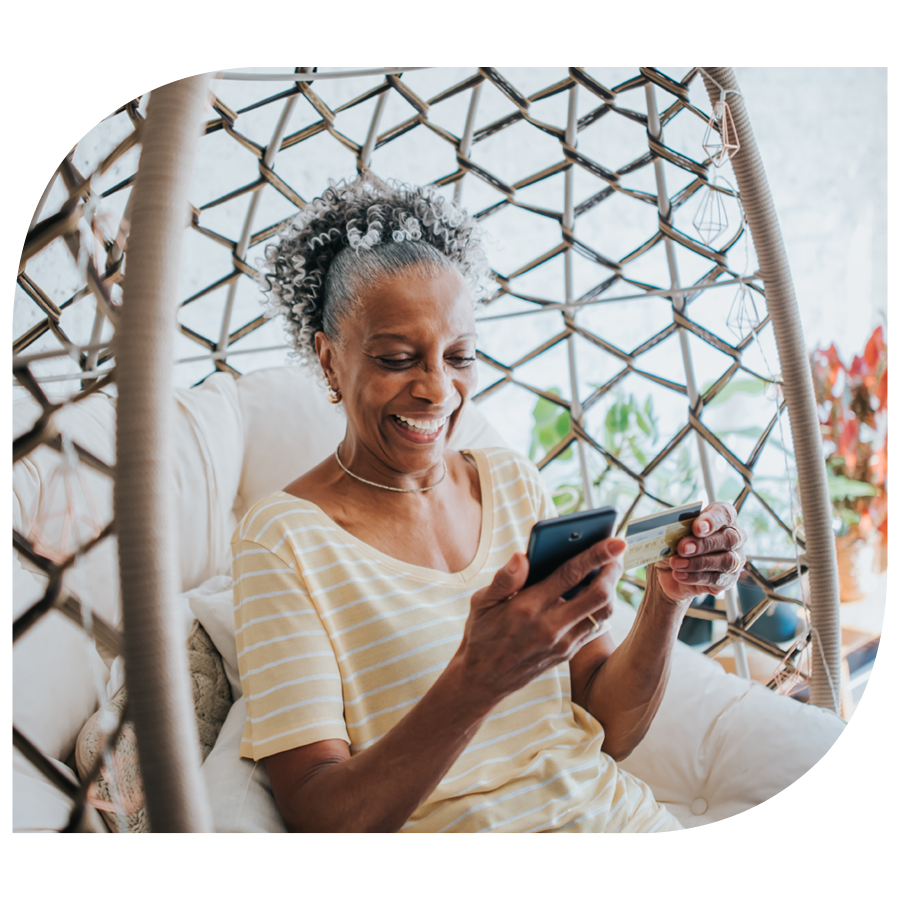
(38, 805)
(208, 443)
(289, 427)
(720, 744)
(212, 604)
(39, 496)
(239, 792)
(55, 673)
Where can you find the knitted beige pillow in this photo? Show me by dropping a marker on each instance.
(212, 700)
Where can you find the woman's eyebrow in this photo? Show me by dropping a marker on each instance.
(385, 335)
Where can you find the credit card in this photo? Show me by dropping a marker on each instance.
(652, 538)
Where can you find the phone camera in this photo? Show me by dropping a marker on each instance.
(575, 535)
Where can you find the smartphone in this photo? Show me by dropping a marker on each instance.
(555, 541)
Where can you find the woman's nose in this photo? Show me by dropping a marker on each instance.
(434, 383)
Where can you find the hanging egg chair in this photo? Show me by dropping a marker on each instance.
(641, 283)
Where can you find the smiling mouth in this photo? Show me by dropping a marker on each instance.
(425, 427)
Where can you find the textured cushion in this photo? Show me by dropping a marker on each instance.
(289, 427)
(212, 700)
(239, 791)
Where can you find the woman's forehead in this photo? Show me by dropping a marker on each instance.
(415, 301)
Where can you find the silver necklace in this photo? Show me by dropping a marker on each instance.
(387, 487)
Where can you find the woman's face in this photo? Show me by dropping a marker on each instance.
(405, 367)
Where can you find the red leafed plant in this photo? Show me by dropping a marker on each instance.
(852, 403)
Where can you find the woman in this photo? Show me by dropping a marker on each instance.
(397, 674)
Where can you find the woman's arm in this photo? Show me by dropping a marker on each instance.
(321, 787)
(622, 686)
(510, 638)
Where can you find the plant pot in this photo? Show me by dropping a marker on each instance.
(778, 623)
(856, 563)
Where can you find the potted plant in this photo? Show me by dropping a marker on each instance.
(628, 428)
(852, 404)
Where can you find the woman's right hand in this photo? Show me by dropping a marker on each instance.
(513, 635)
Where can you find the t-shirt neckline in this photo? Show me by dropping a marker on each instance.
(423, 572)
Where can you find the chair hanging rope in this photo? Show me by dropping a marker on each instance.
(798, 391)
(159, 690)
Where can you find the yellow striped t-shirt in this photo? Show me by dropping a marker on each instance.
(338, 640)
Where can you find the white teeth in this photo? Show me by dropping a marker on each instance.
(424, 426)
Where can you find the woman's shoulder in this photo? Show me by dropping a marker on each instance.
(504, 458)
(272, 517)
(511, 472)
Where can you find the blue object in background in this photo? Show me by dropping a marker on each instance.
(779, 623)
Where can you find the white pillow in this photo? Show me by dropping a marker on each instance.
(38, 805)
(55, 673)
(289, 427)
(208, 455)
(39, 493)
(213, 606)
(239, 792)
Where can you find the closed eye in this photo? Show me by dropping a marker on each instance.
(403, 363)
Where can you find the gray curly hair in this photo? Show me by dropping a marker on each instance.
(354, 235)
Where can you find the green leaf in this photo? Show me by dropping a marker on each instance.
(547, 436)
(737, 386)
(842, 488)
(546, 410)
(566, 498)
(644, 422)
(563, 422)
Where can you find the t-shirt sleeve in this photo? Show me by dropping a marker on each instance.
(541, 498)
(543, 501)
(547, 506)
(288, 670)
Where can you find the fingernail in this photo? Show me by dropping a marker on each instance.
(680, 563)
(616, 546)
(690, 548)
(514, 564)
(680, 575)
(703, 527)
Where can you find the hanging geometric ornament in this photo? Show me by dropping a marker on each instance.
(743, 317)
(711, 219)
(720, 142)
(67, 518)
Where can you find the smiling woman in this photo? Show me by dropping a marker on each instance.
(397, 673)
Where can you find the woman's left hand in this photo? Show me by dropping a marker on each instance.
(708, 562)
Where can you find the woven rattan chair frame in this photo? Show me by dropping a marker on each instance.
(143, 208)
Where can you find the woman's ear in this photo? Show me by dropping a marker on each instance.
(325, 352)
